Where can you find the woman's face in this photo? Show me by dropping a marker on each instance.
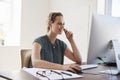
(58, 25)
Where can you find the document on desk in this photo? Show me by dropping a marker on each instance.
(46, 74)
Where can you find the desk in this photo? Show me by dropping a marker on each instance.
(22, 75)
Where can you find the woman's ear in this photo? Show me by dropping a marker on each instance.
(49, 24)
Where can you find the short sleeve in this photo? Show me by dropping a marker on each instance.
(37, 40)
(64, 46)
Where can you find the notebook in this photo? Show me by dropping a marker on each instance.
(55, 75)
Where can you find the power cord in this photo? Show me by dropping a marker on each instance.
(101, 59)
(107, 63)
(5, 77)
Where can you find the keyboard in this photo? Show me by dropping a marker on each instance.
(88, 66)
(112, 72)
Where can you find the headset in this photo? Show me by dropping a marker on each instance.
(51, 19)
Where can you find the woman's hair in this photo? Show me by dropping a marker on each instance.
(51, 18)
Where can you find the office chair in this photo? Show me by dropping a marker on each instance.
(25, 57)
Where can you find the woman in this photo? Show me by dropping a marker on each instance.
(48, 51)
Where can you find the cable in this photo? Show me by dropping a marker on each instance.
(107, 63)
(5, 77)
(101, 60)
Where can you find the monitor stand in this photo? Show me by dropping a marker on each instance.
(116, 47)
(110, 64)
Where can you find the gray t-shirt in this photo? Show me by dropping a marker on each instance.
(51, 52)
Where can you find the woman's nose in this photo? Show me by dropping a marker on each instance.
(61, 26)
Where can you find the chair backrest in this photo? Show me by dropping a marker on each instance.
(25, 57)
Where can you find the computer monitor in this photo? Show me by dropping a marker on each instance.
(103, 29)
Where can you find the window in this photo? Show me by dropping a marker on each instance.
(10, 15)
(108, 7)
(116, 8)
(100, 6)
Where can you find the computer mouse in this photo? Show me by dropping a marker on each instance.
(77, 71)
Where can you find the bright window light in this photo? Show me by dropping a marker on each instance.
(101, 6)
(10, 17)
(116, 8)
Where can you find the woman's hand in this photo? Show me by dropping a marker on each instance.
(68, 34)
(71, 67)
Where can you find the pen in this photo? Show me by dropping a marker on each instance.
(42, 75)
(66, 73)
(56, 72)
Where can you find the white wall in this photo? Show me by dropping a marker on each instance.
(76, 14)
(34, 18)
(33, 24)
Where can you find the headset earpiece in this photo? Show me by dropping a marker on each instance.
(51, 19)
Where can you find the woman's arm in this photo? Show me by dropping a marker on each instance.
(38, 63)
(74, 54)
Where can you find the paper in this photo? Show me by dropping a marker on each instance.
(52, 75)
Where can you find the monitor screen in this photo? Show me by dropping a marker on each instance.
(103, 29)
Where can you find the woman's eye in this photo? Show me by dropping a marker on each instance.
(61, 24)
